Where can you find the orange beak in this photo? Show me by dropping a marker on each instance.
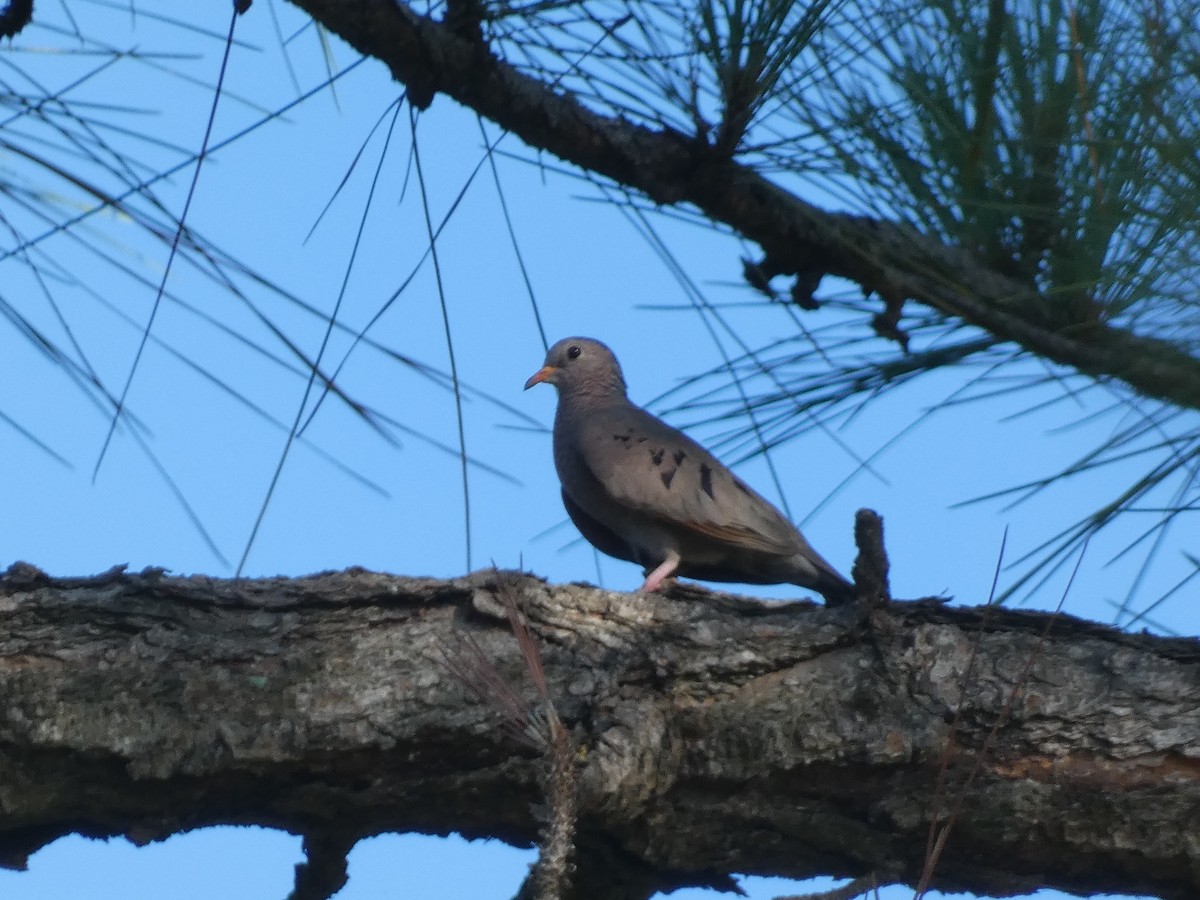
(545, 373)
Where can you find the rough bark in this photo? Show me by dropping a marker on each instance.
(716, 735)
(430, 56)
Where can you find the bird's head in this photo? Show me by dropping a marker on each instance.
(580, 366)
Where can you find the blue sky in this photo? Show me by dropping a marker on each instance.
(591, 274)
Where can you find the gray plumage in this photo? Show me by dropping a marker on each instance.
(643, 491)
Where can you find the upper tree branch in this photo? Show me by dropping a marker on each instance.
(715, 735)
(670, 167)
(14, 16)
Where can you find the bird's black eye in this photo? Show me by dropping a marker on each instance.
(573, 351)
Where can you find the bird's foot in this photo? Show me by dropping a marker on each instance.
(665, 586)
(664, 571)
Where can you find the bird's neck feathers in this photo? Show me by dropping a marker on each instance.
(594, 392)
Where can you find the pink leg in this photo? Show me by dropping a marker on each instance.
(655, 579)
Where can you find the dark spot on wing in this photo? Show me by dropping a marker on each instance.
(680, 456)
(742, 486)
(656, 457)
(706, 480)
(667, 477)
(624, 439)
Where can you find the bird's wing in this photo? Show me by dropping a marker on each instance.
(645, 465)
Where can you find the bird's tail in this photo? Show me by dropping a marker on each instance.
(835, 589)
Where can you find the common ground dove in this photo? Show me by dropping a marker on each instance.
(643, 491)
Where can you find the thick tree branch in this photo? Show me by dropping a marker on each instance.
(673, 168)
(716, 734)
